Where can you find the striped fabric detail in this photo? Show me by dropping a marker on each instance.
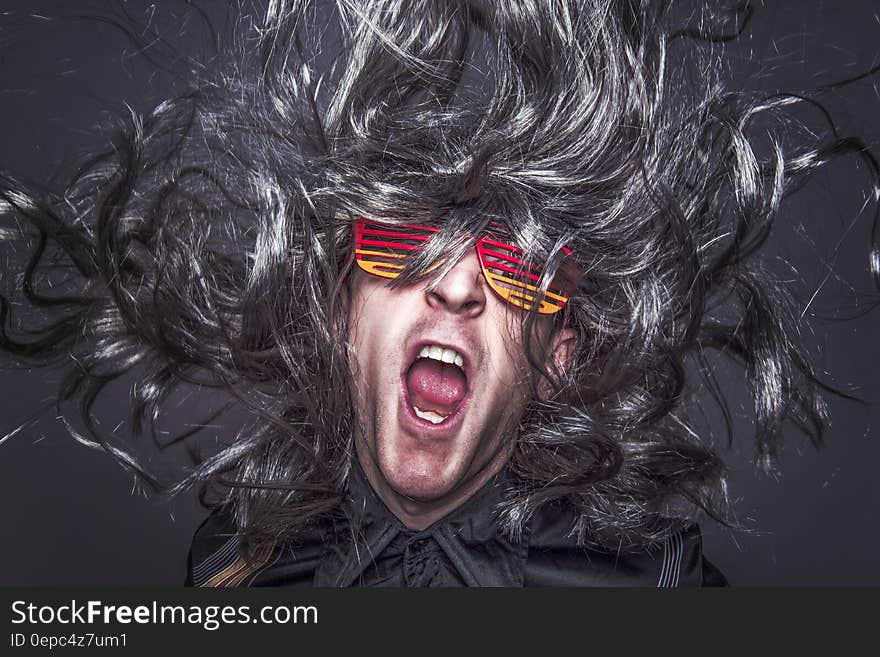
(670, 573)
(227, 567)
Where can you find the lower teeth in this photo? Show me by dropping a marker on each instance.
(430, 416)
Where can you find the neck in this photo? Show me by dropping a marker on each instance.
(418, 514)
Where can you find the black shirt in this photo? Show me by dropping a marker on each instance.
(465, 548)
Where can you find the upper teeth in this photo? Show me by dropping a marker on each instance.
(442, 354)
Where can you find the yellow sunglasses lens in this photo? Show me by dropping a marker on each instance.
(514, 279)
(382, 250)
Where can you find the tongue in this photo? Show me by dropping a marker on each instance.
(435, 386)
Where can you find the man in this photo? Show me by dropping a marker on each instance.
(463, 265)
(441, 380)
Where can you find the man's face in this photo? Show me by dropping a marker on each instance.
(431, 432)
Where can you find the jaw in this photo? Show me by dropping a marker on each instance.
(421, 478)
(422, 470)
(420, 486)
(426, 461)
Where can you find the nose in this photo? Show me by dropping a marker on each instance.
(462, 291)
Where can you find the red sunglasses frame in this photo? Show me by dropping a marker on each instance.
(380, 248)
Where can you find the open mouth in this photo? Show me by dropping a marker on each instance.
(436, 383)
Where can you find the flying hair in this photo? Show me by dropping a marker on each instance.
(211, 246)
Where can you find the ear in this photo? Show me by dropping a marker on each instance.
(560, 355)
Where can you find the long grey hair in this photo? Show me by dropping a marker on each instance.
(209, 247)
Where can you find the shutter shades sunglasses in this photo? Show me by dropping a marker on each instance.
(382, 250)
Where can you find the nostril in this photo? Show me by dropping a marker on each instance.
(437, 297)
(460, 290)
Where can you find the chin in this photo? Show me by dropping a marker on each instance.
(422, 479)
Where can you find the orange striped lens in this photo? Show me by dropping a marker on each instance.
(514, 279)
(382, 250)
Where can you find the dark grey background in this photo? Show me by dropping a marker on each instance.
(69, 514)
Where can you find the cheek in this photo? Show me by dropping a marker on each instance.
(373, 347)
(362, 331)
(359, 349)
(508, 360)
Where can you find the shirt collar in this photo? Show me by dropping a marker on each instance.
(468, 535)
